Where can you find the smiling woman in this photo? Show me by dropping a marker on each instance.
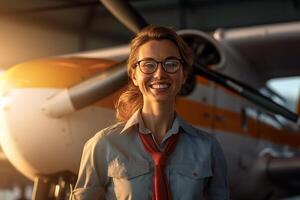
(152, 153)
(132, 100)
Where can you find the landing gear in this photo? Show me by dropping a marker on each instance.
(54, 187)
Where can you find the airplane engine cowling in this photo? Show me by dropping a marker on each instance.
(207, 53)
(35, 143)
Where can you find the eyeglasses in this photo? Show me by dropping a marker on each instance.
(149, 65)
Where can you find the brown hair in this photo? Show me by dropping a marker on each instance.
(131, 99)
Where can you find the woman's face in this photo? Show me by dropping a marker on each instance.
(160, 86)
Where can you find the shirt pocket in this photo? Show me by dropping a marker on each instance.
(130, 180)
(188, 180)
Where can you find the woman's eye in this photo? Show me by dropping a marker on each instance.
(149, 65)
(171, 64)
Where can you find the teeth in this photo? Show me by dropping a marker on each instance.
(160, 86)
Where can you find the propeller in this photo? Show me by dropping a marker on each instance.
(123, 11)
(126, 14)
(100, 85)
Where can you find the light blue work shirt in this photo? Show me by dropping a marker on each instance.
(115, 165)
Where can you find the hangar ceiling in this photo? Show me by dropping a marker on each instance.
(189, 12)
(53, 27)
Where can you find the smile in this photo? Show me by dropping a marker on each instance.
(160, 86)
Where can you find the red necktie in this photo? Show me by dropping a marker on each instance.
(161, 190)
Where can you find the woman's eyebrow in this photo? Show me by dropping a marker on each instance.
(147, 58)
(169, 57)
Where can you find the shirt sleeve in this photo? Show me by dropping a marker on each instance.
(218, 184)
(92, 175)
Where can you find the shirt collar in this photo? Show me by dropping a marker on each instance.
(133, 120)
(136, 119)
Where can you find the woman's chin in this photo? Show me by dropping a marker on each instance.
(164, 99)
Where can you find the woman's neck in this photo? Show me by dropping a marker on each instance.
(158, 117)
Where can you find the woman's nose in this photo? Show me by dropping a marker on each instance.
(160, 72)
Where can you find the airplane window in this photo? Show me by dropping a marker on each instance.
(271, 120)
(288, 88)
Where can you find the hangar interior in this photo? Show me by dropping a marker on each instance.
(35, 29)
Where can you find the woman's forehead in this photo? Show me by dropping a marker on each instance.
(158, 49)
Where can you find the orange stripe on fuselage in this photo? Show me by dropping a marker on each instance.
(195, 112)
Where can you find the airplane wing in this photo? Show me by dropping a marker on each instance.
(271, 49)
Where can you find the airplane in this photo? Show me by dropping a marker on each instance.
(51, 107)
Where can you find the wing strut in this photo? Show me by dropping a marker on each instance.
(246, 91)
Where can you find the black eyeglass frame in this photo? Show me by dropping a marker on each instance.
(159, 62)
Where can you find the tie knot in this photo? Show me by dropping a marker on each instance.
(158, 158)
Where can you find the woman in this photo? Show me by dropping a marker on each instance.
(152, 153)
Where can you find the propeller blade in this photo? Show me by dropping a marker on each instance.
(99, 86)
(87, 92)
(126, 14)
(246, 91)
